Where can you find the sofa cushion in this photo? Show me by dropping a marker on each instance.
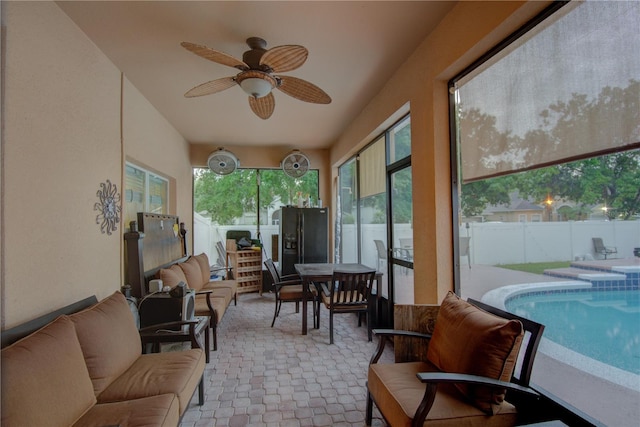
(109, 339)
(161, 411)
(469, 340)
(171, 276)
(177, 372)
(398, 394)
(193, 274)
(205, 268)
(232, 285)
(45, 381)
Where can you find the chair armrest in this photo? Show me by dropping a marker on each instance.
(385, 334)
(432, 379)
(446, 377)
(208, 293)
(290, 277)
(400, 333)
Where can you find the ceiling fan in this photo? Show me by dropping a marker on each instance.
(256, 76)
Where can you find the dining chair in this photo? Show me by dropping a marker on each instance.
(288, 288)
(347, 292)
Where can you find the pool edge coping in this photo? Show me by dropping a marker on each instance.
(497, 298)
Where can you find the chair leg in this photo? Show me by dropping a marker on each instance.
(275, 313)
(369, 412)
(318, 315)
(315, 314)
(331, 327)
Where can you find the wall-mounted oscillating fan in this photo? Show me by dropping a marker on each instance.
(295, 164)
(223, 162)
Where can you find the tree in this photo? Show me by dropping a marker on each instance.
(226, 198)
(611, 180)
(477, 195)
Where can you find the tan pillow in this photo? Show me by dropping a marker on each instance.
(172, 276)
(109, 339)
(205, 268)
(44, 378)
(468, 340)
(193, 273)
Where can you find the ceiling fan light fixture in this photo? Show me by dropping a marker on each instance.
(256, 87)
(256, 84)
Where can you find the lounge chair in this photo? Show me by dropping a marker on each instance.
(601, 249)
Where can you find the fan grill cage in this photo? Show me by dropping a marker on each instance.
(222, 162)
(295, 164)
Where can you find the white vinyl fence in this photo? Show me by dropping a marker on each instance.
(527, 242)
(490, 243)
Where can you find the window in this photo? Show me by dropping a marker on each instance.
(375, 207)
(552, 115)
(247, 199)
(144, 191)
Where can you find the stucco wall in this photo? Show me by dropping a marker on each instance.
(150, 141)
(63, 136)
(61, 140)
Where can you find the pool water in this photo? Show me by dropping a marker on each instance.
(603, 325)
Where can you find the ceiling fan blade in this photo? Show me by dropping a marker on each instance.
(263, 107)
(214, 86)
(214, 55)
(284, 58)
(303, 90)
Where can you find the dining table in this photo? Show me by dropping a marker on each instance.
(323, 272)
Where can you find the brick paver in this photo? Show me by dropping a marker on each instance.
(263, 376)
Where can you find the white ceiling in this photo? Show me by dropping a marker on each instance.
(354, 48)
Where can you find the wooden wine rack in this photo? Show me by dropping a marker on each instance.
(247, 267)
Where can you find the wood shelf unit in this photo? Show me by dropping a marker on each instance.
(247, 267)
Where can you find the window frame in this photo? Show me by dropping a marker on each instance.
(146, 195)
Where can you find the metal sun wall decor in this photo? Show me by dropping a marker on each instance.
(108, 206)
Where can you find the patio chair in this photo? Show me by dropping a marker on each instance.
(348, 292)
(601, 249)
(381, 249)
(288, 289)
(464, 249)
(453, 365)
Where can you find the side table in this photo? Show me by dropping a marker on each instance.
(184, 331)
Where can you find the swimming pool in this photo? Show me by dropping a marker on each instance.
(602, 325)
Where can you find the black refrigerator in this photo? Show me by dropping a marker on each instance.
(304, 237)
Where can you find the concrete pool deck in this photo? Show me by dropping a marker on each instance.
(611, 403)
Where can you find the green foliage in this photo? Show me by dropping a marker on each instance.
(227, 198)
(536, 267)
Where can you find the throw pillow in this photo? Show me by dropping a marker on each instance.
(468, 340)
